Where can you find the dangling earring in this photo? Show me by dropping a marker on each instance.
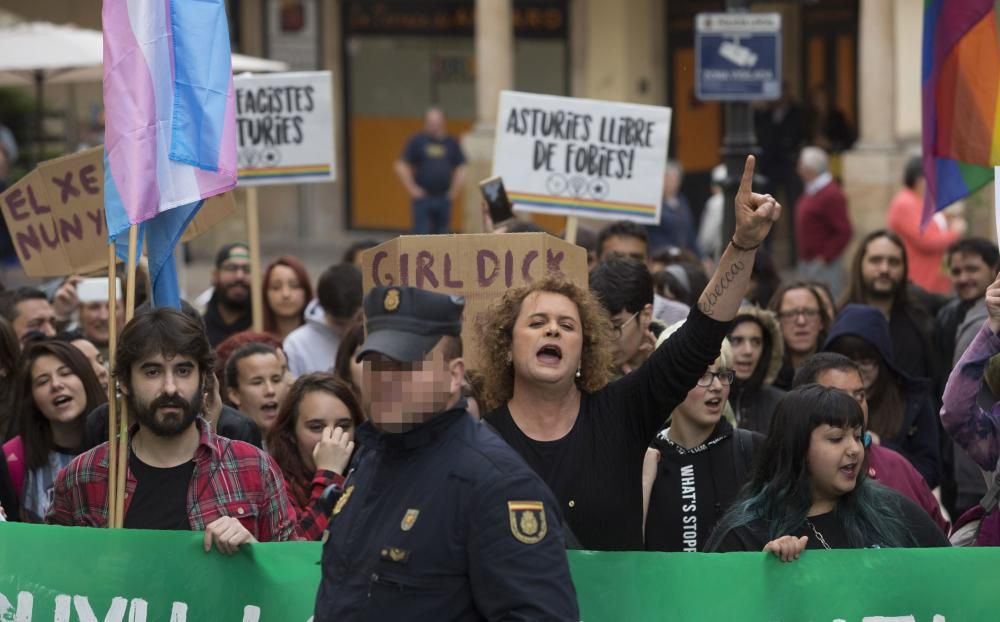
(510, 358)
(578, 374)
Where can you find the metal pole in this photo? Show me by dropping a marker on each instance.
(39, 121)
(738, 140)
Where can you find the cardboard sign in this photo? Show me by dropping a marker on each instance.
(480, 267)
(284, 128)
(582, 157)
(56, 220)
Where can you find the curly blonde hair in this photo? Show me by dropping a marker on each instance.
(496, 333)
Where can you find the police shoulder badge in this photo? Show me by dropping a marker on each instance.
(342, 501)
(409, 519)
(391, 302)
(527, 521)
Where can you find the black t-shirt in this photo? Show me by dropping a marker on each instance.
(160, 497)
(595, 470)
(754, 537)
(695, 487)
(433, 161)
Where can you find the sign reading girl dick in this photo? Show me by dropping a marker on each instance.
(582, 157)
(284, 125)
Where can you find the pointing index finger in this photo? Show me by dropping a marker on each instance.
(746, 183)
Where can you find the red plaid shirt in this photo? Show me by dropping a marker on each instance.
(313, 516)
(230, 478)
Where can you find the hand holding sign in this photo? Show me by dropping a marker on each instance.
(755, 213)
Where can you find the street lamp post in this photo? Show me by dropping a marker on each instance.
(738, 140)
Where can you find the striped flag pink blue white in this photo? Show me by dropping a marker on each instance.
(170, 122)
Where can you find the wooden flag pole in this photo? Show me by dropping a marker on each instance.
(112, 389)
(133, 240)
(572, 222)
(253, 240)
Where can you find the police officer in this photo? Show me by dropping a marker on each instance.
(439, 519)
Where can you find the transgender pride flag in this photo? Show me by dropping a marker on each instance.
(170, 122)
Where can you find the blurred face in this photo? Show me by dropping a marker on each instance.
(94, 320)
(882, 268)
(434, 123)
(800, 321)
(34, 314)
(834, 461)
(970, 275)
(165, 393)
(629, 331)
(848, 381)
(232, 280)
(624, 245)
(671, 183)
(261, 389)
(547, 340)
(96, 360)
(399, 395)
(747, 340)
(285, 295)
(58, 393)
(318, 410)
(704, 403)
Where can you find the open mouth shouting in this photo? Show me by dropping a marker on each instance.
(849, 470)
(61, 401)
(549, 354)
(714, 405)
(269, 410)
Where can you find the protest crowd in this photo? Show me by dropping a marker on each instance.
(687, 393)
(636, 414)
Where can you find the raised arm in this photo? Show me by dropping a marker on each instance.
(975, 430)
(755, 213)
(654, 390)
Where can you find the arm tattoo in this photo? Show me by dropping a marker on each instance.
(726, 280)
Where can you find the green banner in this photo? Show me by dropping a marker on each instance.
(94, 575)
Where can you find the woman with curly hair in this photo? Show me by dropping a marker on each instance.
(311, 441)
(546, 350)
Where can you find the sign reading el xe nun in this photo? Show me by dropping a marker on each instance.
(55, 216)
(479, 267)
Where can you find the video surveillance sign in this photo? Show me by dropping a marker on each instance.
(737, 56)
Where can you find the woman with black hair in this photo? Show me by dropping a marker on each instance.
(56, 387)
(901, 414)
(809, 487)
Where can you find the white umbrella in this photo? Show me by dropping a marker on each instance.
(41, 53)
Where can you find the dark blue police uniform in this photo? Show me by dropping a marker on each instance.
(444, 521)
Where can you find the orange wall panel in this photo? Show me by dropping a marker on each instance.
(378, 200)
(697, 125)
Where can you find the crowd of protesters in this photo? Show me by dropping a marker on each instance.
(690, 399)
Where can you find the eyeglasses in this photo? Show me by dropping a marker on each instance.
(234, 267)
(867, 366)
(794, 314)
(618, 329)
(725, 376)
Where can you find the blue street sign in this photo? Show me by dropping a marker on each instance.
(737, 56)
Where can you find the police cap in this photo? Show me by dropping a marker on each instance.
(405, 323)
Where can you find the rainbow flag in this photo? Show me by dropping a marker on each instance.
(170, 122)
(961, 80)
